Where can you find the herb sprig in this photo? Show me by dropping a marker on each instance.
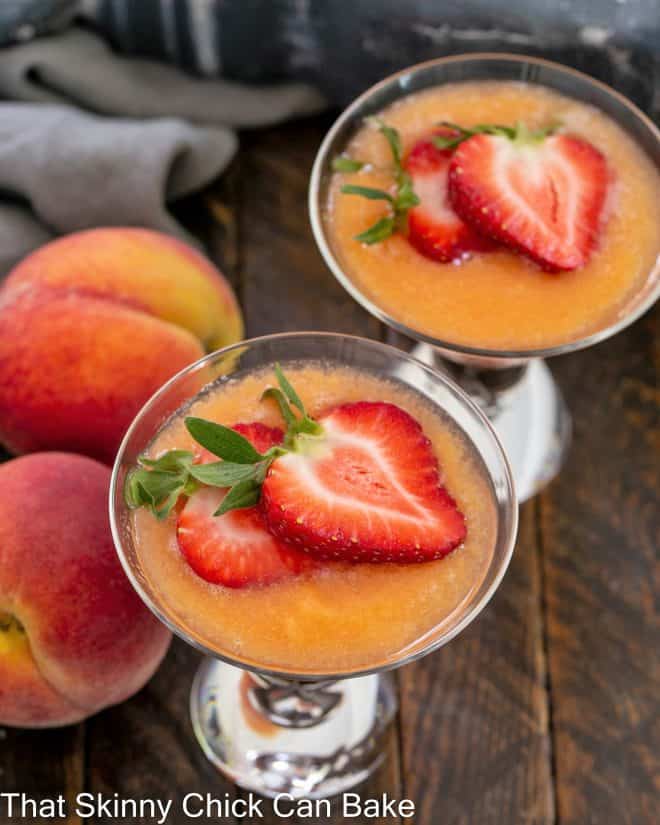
(158, 484)
(400, 201)
(519, 132)
(342, 163)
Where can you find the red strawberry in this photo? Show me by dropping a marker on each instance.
(434, 228)
(235, 549)
(542, 196)
(369, 491)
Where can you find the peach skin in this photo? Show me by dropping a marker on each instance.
(92, 324)
(74, 635)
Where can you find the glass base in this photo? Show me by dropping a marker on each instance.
(526, 409)
(311, 740)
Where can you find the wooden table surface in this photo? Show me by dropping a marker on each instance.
(546, 709)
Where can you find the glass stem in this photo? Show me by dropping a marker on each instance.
(489, 388)
(292, 704)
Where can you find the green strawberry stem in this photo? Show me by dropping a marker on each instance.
(158, 484)
(400, 200)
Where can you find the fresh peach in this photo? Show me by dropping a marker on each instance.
(92, 324)
(74, 635)
(147, 270)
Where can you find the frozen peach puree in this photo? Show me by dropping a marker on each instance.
(499, 299)
(341, 616)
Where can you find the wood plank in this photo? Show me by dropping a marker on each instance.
(600, 527)
(212, 217)
(286, 286)
(146, 748)
(476, 745)
(42, 764)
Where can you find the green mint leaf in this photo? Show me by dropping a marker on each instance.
(152, 486)
(519, 132)
(381, 230)
(158, 483)
(262, 469)
(286, 398)
(155, 489)
(167, 505)
(406, 197)
(342, 163)
(223, 473)
(392, 137)
(191, 486)
(222, 441)
(243, 494)
(442, 142)
(134, 494)
(494, 129)
(173, 460)
(282, 403)
(366, 192)
(309, 426)
(288, 390)
(455, 127)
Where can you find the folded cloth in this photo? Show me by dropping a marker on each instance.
(75, 171)
(78, 67)
(62, 169)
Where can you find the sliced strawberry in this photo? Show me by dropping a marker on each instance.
(543, 197)
(434, 228)
(235, 549)
(367, 490)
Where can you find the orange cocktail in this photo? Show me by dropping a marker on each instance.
(498, 299)
(336, 616)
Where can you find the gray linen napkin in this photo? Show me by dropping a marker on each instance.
(74, 171)
(62, 169)
(78, 67)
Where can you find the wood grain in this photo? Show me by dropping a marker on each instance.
(476, 745)
(146, 747)
(42, 764)
(600, 543)
(286, 285)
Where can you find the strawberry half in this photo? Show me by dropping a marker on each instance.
(368, 489)
(235, 549)
(434, 228)
(540, 195)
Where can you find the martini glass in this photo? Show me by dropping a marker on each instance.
(323, 730)
(514, 388)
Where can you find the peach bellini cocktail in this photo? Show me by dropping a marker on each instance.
(498, 209)
(307, 508)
